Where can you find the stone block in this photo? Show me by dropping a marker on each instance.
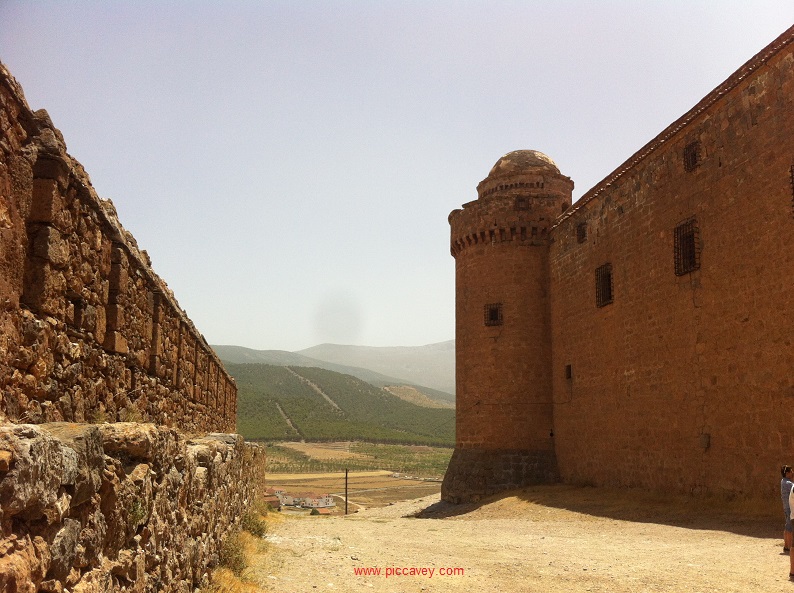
(119, 278)
(51, 166)
(114, 317)
(48, 244)
(47, 202)
(116, 342)
(86, 442)
(41, 465)
(135, 441)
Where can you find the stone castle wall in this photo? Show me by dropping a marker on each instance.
(99, 492)
(88, 331)
(675, 373)
(118, 507)
(503, 396)
(684, 381)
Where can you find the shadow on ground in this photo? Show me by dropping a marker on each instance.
(752, 518)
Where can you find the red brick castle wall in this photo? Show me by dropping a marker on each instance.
(669, 312)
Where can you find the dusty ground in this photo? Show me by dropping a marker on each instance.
(550, 538)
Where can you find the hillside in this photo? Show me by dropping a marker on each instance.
(432, 365)
(314, 404)
(241, 355)
(415, 396)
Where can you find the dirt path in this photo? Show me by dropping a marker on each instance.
(315, 388)
(546, 539)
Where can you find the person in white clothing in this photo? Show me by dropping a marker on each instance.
(791, 556)
(786, 485)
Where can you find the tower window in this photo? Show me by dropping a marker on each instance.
(568, 371)
(493, 314)
(581, 232)
(522, 203)
(692, 156)
(686, 238)
(603, 280)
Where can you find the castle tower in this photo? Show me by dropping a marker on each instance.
(503, 341)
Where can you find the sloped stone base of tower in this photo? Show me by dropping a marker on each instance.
(475, 473)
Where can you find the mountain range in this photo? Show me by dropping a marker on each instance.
(430, 368)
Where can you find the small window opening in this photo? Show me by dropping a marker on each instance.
(493, 314)
(687, 247)
(692, 156)
(568, 371)
(581, 232)
(522, 203)
(603, 280)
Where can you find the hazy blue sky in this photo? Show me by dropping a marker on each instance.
(290, 166)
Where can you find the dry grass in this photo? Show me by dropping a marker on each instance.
(414, 396)
(225, 581)
(243, 550)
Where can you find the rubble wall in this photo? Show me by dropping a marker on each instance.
(88, 331)
(118, 507)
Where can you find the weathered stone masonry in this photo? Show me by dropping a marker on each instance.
(118, 507)
(92, 345)
(644, 337)
(88, 331)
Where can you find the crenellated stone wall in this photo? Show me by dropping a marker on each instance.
(88, 331)
(118, 507)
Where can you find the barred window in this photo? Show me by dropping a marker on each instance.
(686, 239)
(603, 280)
(493, 314)
(692, 156)
(581, 232)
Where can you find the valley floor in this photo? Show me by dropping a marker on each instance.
(546, 539)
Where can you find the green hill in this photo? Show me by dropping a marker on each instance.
(388, 359)
(306, 403)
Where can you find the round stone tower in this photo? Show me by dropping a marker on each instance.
(503, 340)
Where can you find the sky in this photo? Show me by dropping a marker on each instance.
(289, 166)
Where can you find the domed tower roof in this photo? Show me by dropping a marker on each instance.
(521, 171)
(523, 161)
